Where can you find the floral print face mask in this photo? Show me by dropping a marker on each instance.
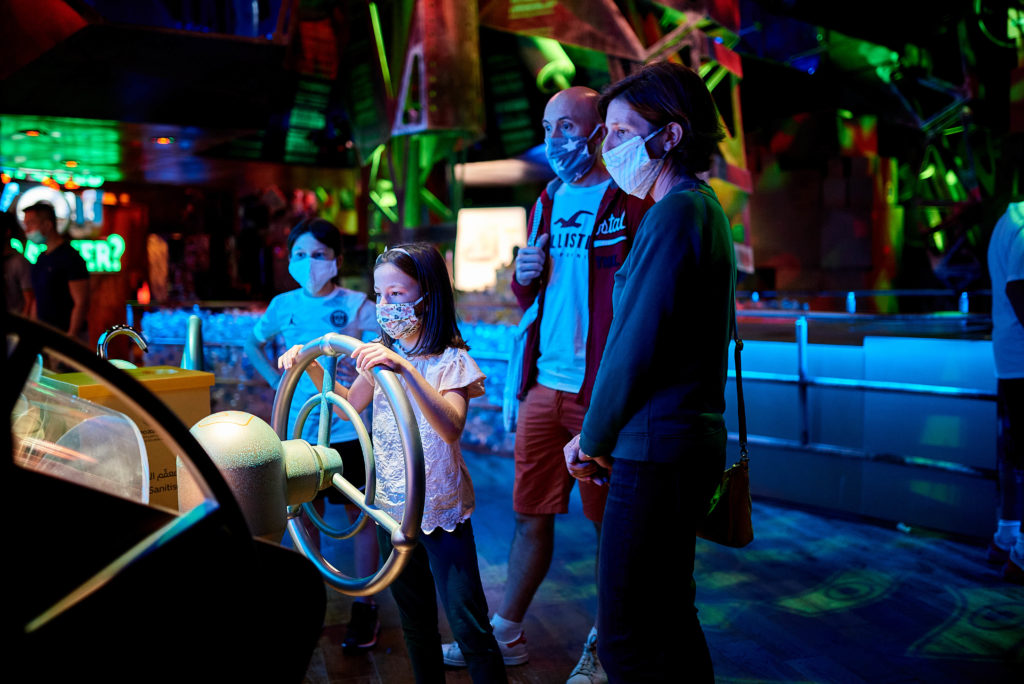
(398, 319)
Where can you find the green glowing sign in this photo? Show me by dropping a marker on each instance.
(101, 256)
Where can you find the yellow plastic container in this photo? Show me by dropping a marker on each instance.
(186, 392)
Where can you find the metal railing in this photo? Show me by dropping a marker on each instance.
(850, 297)
(803, 380)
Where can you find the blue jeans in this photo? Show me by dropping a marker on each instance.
(447, 560)
(647, 623)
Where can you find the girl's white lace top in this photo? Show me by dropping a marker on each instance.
(449, 493)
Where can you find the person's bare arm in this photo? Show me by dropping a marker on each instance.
(80, 296)
(359, 394)
(445, 410)
(30, 300)
(254, 350)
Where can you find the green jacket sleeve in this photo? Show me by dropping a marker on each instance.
(649, 308)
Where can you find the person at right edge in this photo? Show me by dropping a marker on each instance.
(656, 411)
(1006, 268)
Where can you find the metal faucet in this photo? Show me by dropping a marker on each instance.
(111, 333)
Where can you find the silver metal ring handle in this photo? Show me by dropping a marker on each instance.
(404, 535)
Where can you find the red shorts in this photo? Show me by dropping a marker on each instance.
(548, 419)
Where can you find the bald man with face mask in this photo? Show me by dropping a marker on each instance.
(581, 228)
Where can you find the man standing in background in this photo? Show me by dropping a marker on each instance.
(60, 279)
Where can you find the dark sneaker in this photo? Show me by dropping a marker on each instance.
(362, 629)
(1013, 572)
(996, 555)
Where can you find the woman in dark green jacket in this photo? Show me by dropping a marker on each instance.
(656, 410)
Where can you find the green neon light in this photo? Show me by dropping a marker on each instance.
(80, 147)
(385, 204)
(559, 69)
(940, 242)
(928, 172)
(381, 56)
(101, 256)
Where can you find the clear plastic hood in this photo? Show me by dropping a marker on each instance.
(79, 441)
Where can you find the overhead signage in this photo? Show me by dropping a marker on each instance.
(101, 256)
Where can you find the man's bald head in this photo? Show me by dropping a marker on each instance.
(578, 103)
(572, 114)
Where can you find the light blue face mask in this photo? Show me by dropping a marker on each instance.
(570, 156)
(312, 274)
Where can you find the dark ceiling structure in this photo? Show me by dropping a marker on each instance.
(292, 91)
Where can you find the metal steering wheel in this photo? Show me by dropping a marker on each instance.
(404, 535)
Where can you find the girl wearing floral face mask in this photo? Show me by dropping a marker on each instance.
(319, 306)
(655, 416)
(422, 344)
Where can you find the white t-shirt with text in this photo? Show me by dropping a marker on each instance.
(565, 320)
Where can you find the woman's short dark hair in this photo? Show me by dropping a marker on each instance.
(665, 92)
(439, 328)
(324, 231)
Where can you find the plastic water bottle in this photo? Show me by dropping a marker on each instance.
(851, 302)
(965, 304)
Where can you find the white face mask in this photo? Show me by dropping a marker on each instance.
(36, 237)
(631, 167)
(312, 274)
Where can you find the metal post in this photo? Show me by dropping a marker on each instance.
(801, 361)
(330, 365)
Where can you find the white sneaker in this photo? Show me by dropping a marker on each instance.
(512, 652)
(588, 670)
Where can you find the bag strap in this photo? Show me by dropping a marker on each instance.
(741, 411)
(538, 210)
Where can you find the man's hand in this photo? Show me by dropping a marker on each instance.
(530, 261)
(583, 466)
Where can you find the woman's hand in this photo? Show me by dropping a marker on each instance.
(585, 467)
(375, 354)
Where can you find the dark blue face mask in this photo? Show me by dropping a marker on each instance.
(570, 156)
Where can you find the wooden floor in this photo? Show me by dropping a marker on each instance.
(813, 599)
